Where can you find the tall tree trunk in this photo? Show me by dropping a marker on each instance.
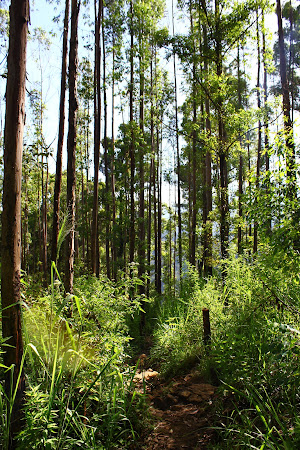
(113, 182)
(83, 208)
(141, 222)
(250, 184)
(224, 206)
(159, 213)
(71, 145)
(266, 128)
(106, 171)
(291, 60)
(11, 213)
(155, 227)
(97, 132)
(25, 262)
(207, 190)
(149, 231)
(87, 216)
(288, 125)
(132, 144)
(45, 224)
(141, 241)
(193, 155)
(258, 161)
(241, 164)
(177, 155)
(151, 177)
(61, 132)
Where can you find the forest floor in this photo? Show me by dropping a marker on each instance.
(181, 411)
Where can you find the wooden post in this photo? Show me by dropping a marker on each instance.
(206, 327)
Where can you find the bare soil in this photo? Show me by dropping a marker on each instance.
(181, 411)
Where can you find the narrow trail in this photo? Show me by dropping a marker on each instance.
(181, 410)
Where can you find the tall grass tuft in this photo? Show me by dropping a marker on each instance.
(80, 392)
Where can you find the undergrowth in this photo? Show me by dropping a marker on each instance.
(254, 351)
(79, 388)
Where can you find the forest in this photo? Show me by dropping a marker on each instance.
(150, 287)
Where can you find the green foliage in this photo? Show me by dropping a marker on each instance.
(257, 351)
(178, 337)
(80, 393)
(254, 351)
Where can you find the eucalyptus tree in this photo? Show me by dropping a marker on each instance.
(177, 152)
(218, 27)
(97, 137)
(286, 103)
(11, 215)
(86, 96)
(106, 164)
(115, 29)
(259, 137)
(61, 133)
(71, 145)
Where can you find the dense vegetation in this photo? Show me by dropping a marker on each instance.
(180, 192)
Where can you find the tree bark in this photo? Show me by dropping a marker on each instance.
(132, 145)
(106, 169)
(192, 256)
(288, 125)
(224, 206)
(58, 174)
(177, 156)
(97, 132)
(241, 165)
(113, 181)
(266, 128)
(11, 214)
(71, 145)
(141, 241)
(259, 135)
(207, 188)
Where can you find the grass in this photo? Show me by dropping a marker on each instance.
(254, 352)
(79, 388)
(80, 391)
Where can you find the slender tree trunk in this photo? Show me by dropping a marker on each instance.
(113, 182)
(241, 165)
(149, 235)
(207, 191)
(266, 128)
(178, 156)
(250, 184)
(83, 208)
(141, 222)
(192, 256)
(132, 145)
(288, 125)
(106, 171)
(291, 60)
(258, 161)
(58, 174)
(151, 177)
(11, 213)
(71, 145)
(141, 242)
(87, 216)
(159, 214)
(25, 263)
(97, 132)
(45, 225)
(224, 206)
(155, 227)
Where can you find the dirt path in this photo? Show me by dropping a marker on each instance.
(182, 411)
